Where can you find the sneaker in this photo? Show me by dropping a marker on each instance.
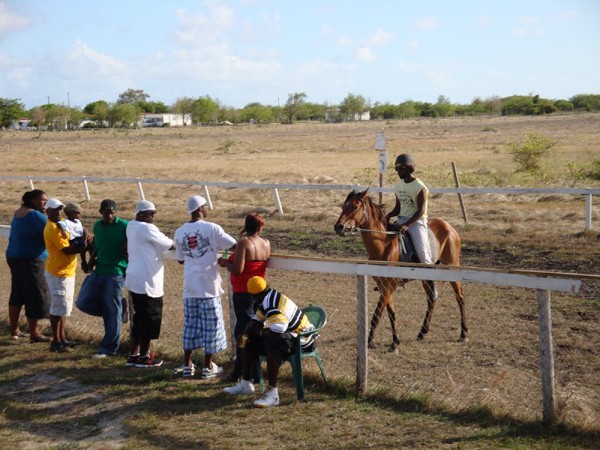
(132, 360)
(58, 347)
(212, 372)
(189, 371)
(99, 356)
(244, 387)
(270, 398)
(148, 361)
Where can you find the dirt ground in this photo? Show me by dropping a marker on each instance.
(492, 378)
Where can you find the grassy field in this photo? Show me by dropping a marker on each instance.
(436, 394)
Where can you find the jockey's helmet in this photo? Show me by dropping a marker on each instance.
(405, 160)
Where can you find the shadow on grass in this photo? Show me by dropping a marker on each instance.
(506, 427)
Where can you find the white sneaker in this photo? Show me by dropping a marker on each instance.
(270, 398)
(212, 372)
(243, 387)
(99, 356)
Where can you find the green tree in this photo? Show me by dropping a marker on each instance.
(133, 96)
(123, 115)
(295, 107)
(257, 113)
(586, 102)
(315, 111)
(205, 110)
(443, 107)
(37, 116)
(10, 110)
(529, 150)
(183, 106)
(353, 106)
(76, 115)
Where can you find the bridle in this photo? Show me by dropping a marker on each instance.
(364, 219)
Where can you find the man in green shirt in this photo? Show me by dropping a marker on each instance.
(101, 293)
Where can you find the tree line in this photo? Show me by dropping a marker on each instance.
(126, 110)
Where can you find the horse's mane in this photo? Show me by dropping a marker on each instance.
(378, 211)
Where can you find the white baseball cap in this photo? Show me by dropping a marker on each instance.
(144, 205)
(54, 203)
(195, 202)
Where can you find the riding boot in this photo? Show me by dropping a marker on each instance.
(432, 294)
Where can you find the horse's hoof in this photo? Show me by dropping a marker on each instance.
(463, 339)
(421, 337)
(393, 349)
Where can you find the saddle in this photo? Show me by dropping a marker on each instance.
(408, 254)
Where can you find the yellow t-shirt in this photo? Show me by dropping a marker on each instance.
(407, 193)
(58, 264)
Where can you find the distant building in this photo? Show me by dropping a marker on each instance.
(165, 120)
(21, 124)
(334, 115)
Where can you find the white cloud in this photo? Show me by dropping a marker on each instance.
(484, 22)
(11, 20)
(365, 54)
(197, 30)
(380, 37)
(440, 78)
(414, 44)
(567, 14)
(326, 31)
(81, 60)
(428, 23)
(344, 41)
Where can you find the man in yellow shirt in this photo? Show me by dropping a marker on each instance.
(60, 274)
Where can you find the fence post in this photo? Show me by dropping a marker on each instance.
(460, 198)
(86, 191)
(31, 188)
(588, 212)
(546, 355)
(140, 190)
(207, 195)
(278, 201)
(362, 351)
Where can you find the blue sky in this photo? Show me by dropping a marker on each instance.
(243, 51)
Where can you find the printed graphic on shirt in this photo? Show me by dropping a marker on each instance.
(194, 245)
(406, 201)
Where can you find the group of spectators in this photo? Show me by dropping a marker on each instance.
(42, 255)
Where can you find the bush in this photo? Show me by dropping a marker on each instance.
(529, 150)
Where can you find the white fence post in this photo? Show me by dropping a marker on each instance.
(140, 190)
(362, 350)
(31, 188)
(546, 355)
(207, 195)
(278, 201)
(86, 191)
(588, 212)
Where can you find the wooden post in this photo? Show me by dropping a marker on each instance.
(362, 351)
(208, 200)
(460, 198)
(588, 212)
(140, 190)
(86, 191)
(546, 356)
(278, 201)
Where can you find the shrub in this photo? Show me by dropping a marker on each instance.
(529, 151)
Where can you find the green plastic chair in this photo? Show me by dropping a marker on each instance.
(318, 317)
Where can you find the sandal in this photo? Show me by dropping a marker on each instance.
(16, 337)
(189, 371)
(40, 338)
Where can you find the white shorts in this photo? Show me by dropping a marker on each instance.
(61, 292)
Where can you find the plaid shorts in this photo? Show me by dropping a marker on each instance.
(204, 326)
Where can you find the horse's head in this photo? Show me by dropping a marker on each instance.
(353, 213)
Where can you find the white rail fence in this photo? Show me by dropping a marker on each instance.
(542, 285)
(586, 192)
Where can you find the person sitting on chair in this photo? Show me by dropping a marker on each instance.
(270, 332)
(411, 211)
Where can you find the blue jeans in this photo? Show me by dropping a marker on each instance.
(102, 295)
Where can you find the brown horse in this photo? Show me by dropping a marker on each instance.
(359, 212)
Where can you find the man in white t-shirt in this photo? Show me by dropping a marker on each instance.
(197, 245)
(144, 279)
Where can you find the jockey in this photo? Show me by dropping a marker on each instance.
(411, 211)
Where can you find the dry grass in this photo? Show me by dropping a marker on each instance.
(485, 393)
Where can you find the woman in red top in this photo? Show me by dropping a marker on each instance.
(249, 259)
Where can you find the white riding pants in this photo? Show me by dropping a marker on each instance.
(419, 233)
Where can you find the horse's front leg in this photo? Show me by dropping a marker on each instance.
(430, 305)
(460, 299)
(375, 319)
(392, 316)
